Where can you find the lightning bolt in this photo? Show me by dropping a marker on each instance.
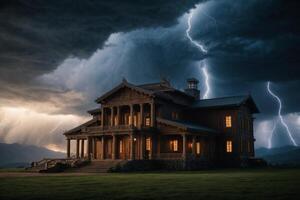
(203, 50)
(197, 44)
(204, 71)
(280, 116)
(272, 133)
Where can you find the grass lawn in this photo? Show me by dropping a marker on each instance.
(12, 170)
(223, 184)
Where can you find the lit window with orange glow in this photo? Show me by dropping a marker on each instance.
(148, 144)
(115, 120)
(174, 145)
(198, 148)
(190, 145)
(228, 146)
(121, 146)
(135, 119)
(147, 121)
(228, 121)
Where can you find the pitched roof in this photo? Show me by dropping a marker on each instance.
(188, 126)
(78, 128)
(122, 85)
(226, 101)
(161, 89)
(94, 111)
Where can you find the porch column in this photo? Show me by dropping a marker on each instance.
(158, 139)
(77, 148)
(113, 147)
(102, 148)
(95, 148)
(82, 148)
(131, 147)
(102, 117)
(68, 148)
(152, 114)
(142, 115)
(183, 146)
(131, 115)
(112, 116)
(89, 147)
(194, 146)
(118, 116)
(142, 150)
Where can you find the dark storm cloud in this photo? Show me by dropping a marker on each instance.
(256, 40)
(252, 42)
(37, 35)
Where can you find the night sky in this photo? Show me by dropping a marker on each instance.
(57, 57)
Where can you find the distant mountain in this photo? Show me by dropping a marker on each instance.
(289, 155)
(18, 155)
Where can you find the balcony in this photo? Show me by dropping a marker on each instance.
(116, 128)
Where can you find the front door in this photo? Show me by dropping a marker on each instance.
(108, 148)
(98, 149)
(123, 148)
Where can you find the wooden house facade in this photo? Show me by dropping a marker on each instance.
(157, 121)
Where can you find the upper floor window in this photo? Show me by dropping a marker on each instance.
(228, 122)
(147, 121)
(174, 145)
(228, 146)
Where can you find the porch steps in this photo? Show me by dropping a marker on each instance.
(96, 166)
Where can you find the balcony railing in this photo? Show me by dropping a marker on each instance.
(122, 127)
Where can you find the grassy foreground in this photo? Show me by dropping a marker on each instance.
(223, 184)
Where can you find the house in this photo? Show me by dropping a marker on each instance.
(158, 122)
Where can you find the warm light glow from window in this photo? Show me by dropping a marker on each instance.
(135, 120)
(228, 121)
(121, 146)
(148, 144)
(147, 120)
(190, 145)
(129, 119)
(228, 146)
(198, 148)
(174, 145)
(116, 120)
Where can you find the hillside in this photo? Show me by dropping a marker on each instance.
(18, 155)
(289, 155)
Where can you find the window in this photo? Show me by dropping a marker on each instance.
(147, 121)
(135, 120)
(174, 145)
(228, 121)
(190, 145)
(198, 148)
(174, 115)
(148, 144)
(228, 146)
(116, 120)
(121, 146)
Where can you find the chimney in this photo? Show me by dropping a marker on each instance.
(192, 88)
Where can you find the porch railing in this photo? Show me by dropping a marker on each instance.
(170, 155)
